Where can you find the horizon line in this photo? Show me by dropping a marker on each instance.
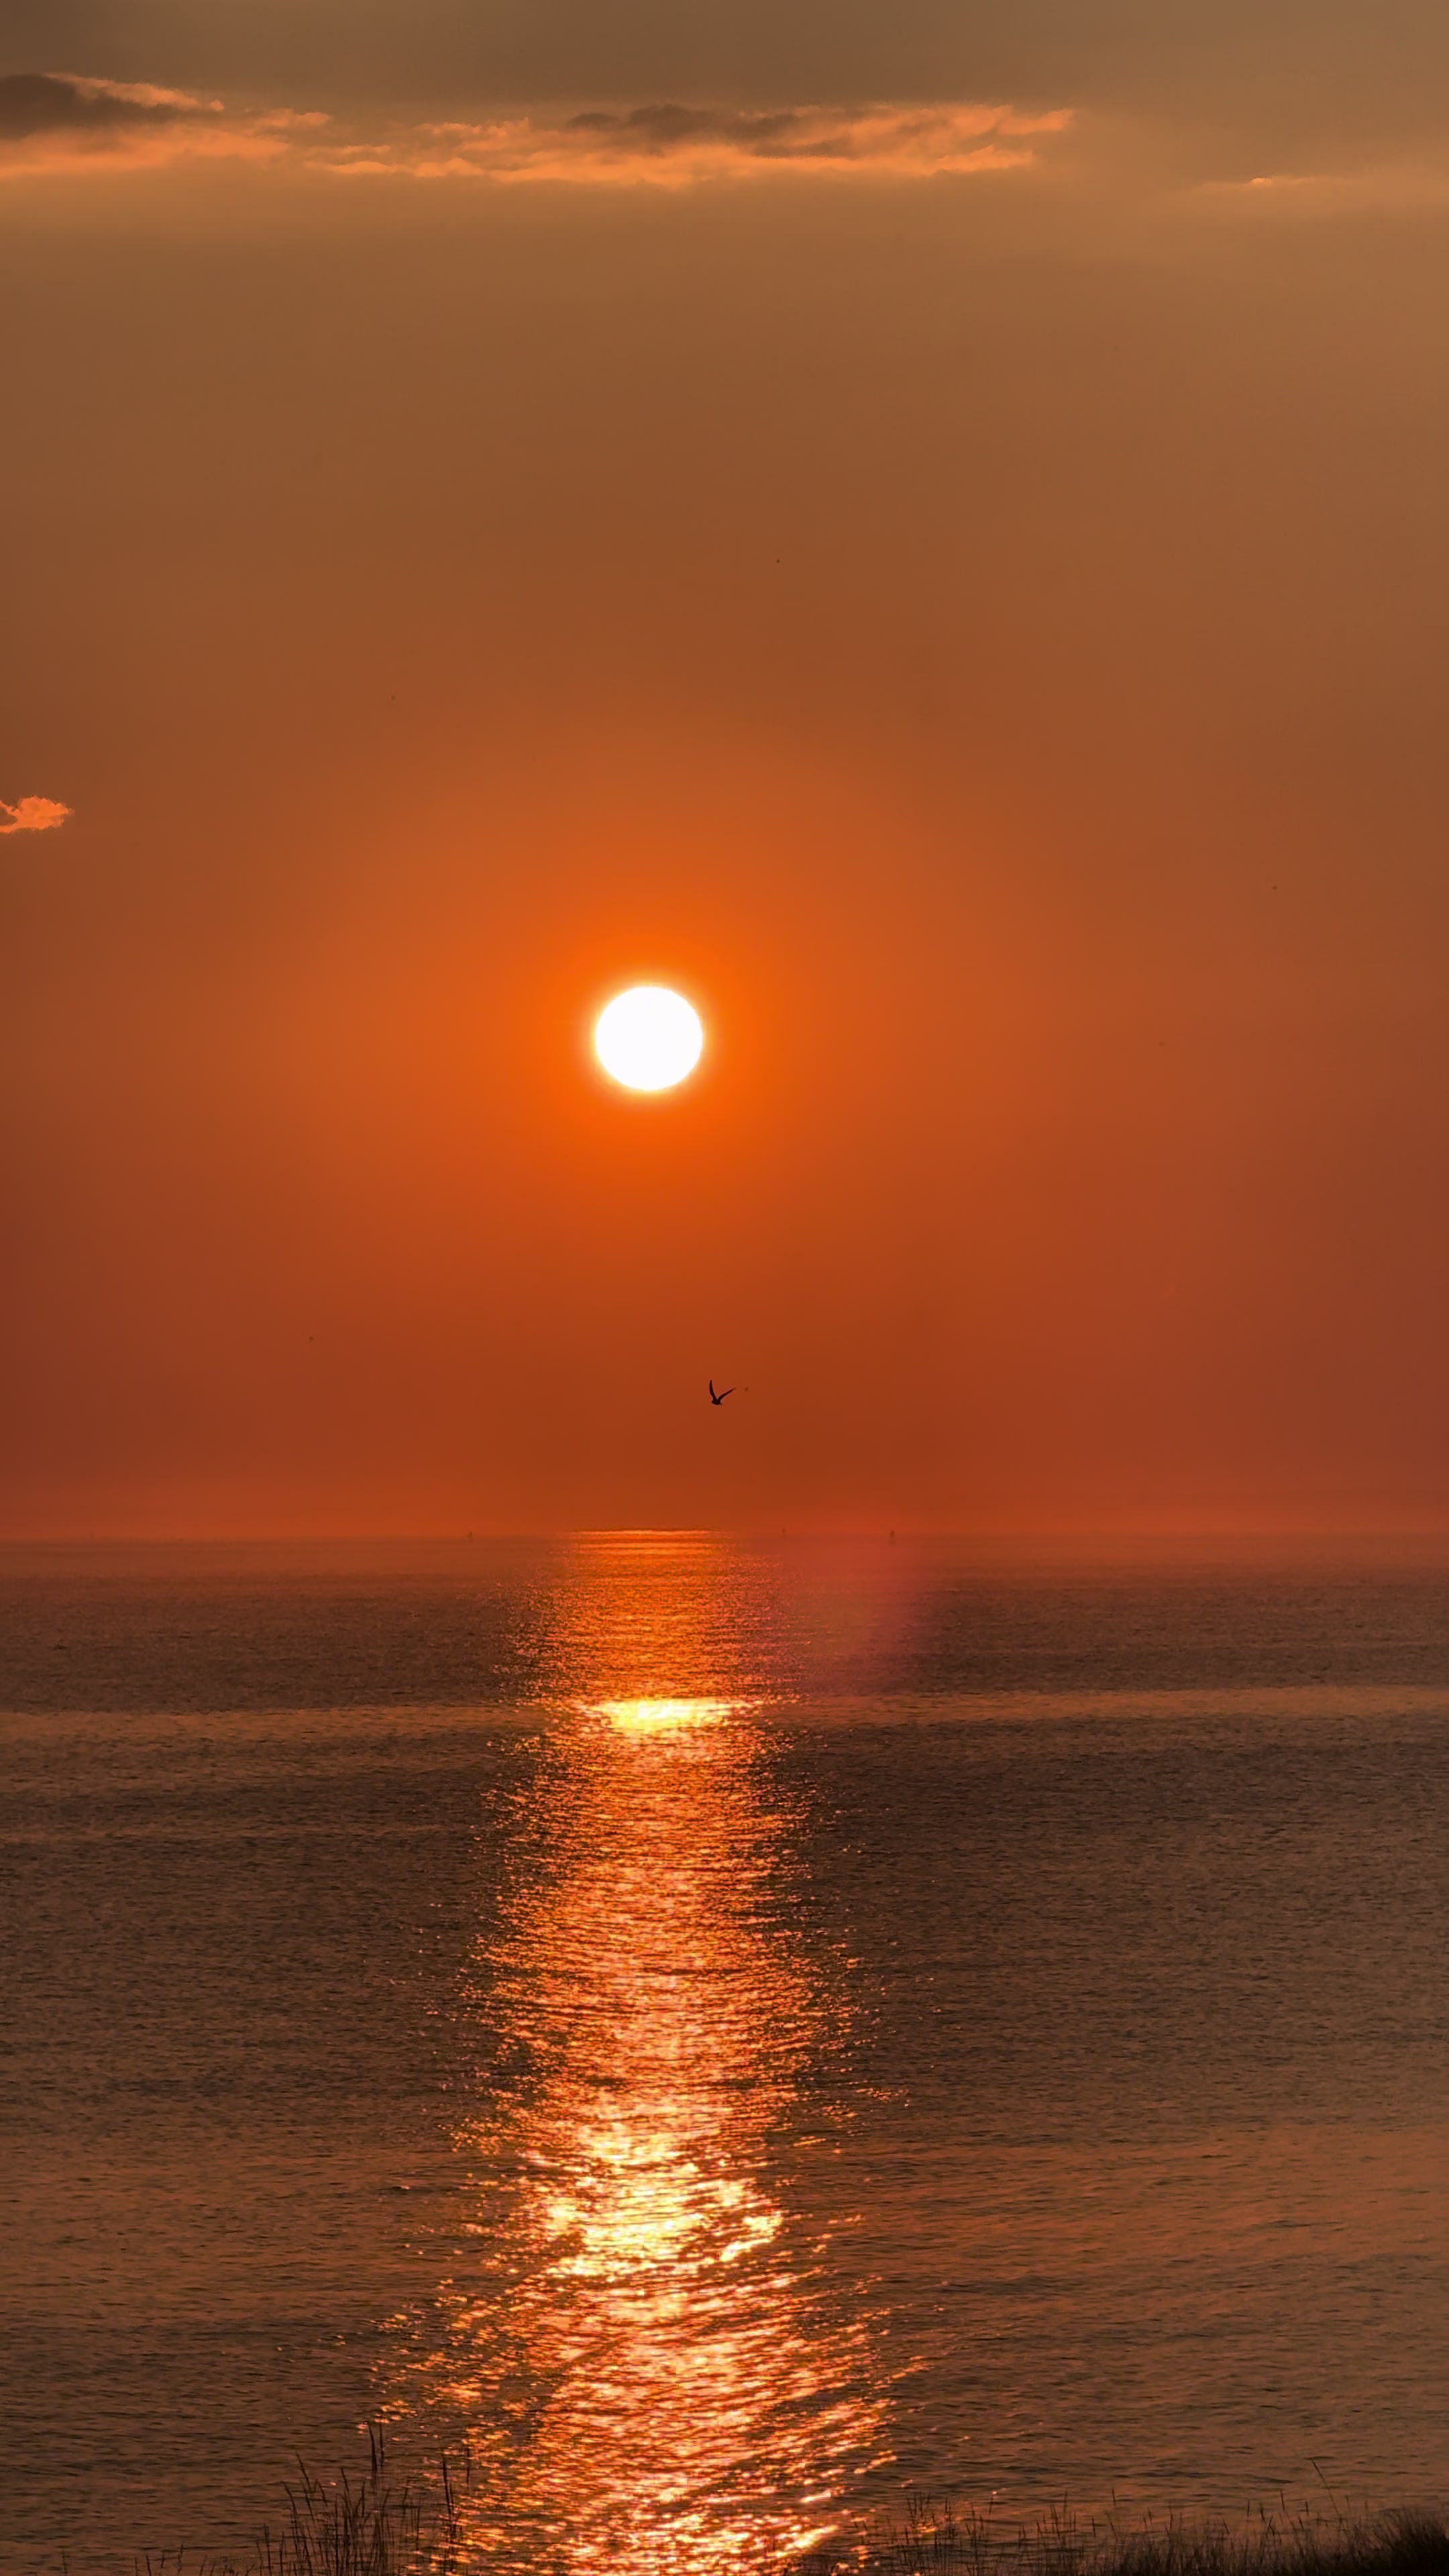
(1056, 1534)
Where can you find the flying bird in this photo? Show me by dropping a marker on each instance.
(719, 1399)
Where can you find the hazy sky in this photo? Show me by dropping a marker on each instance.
(924, 526)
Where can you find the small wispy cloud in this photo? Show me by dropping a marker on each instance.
(1405, 187)
(60, 121)
(65, 121)
(34, 103)
(32, 814)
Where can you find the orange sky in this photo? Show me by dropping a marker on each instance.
(956, 582)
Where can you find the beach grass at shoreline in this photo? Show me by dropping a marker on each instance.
(371, 2524)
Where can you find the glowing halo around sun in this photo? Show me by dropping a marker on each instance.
(648, 1038)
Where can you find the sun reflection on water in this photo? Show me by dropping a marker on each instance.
(645, 2330)
(663, 1716)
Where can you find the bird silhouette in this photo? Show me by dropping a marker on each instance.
(719, 1399)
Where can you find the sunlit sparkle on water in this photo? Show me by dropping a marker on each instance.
(647, 2361)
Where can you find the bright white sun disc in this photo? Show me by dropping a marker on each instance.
(648, 1038)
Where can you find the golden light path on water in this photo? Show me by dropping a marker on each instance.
(647, 2339)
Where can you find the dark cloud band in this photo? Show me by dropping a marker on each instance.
(52, 121)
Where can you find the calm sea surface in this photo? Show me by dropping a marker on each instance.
(733, 2031)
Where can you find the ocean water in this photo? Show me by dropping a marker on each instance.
(725, 2034)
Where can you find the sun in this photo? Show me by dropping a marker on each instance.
(648, 1038)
